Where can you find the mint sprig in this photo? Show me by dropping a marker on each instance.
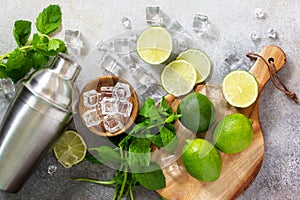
(33, 53)
(154, 127)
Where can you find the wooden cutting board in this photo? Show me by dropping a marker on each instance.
(239, 170)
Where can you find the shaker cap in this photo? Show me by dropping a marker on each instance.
(55, 85)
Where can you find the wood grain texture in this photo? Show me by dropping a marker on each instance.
(238, 170)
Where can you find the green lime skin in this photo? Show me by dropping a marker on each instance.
(233, 133)
(197, 112)
(202, 160)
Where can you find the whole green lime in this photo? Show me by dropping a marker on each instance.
(233, 133)
(197, 112)
(202, 160)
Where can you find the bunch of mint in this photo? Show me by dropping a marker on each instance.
(33, 53)
(155, 126)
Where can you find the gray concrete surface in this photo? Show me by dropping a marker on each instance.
(233, 21)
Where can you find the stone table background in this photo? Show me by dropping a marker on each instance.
(279, 177)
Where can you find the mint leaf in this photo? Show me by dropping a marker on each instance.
(38, 59)
(139, 153)
(154, 179)
(154, 115)
(107, 155)
(57, 46)
(3, 71)
(169, 138)
(155, 139)
(22, 30)
(40, 44)
(164, 107)
(17, 65)
(49, 20)
(93, 159)
(16, 60)
(17, 74)
(146, 107)
(172, 118)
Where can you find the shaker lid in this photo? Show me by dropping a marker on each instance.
(56, 84)
(66, 67)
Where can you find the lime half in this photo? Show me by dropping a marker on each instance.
(178, 77)
(70, 149)
(199, 60)
(154, 45)
(240, 88)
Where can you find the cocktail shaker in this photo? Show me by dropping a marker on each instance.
(40, 111)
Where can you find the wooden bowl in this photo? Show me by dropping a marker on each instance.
(106, 81)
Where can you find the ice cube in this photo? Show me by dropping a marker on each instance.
(51, 169)
(259, 13)
(174, 170)
(254, 36)
(101, 46)
(153, 16)
(90, 98)
(167, 160)
(128, 60)
(233, 62)
(154, 91)
(4, 103)
(122, 46)
(121, 91)
(109, 105)
(6, 86)
(182, 41)
(272, 33)
(110, 64)
(91, 118)
(200, 24)
(165, 20)
(143, 77)
(126, 22)
(106, 91)
(214, 92)
(124, 108)
(74, 41)
(112, 123)
(177, 27)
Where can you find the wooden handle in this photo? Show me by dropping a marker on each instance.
(260, 70)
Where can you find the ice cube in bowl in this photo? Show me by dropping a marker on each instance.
(116, 108)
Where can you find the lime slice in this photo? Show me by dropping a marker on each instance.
(178, 77)
(154, 45)
(240, 88)
(70, 149)
(199, 60)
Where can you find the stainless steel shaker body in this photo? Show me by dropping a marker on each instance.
(38, 114)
